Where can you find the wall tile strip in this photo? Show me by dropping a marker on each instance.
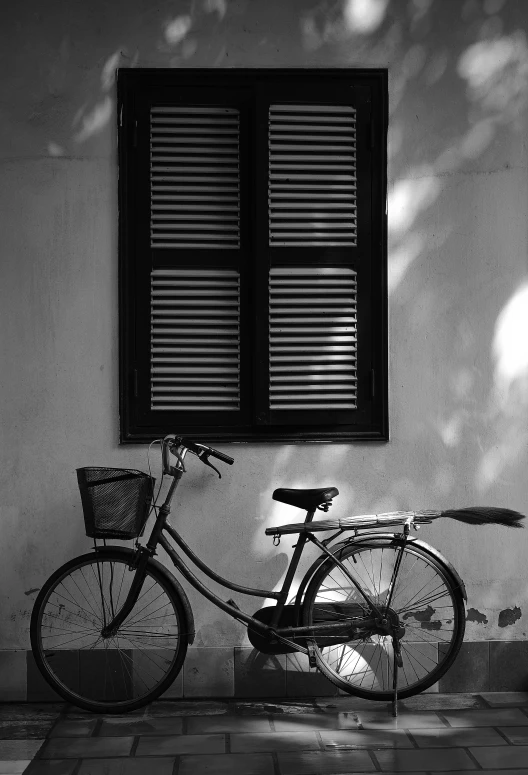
(481, 666)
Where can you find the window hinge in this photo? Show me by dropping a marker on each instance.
(372, 383)
(121, 117)
(135, 133)
(135, 383)
(371, 135)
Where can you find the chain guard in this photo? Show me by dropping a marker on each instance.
(261, 641)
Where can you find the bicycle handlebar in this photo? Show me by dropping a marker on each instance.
(202, 451)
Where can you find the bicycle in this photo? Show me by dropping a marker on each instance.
(380, 614)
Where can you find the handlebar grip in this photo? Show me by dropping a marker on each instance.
(199, 448)
(221, 456)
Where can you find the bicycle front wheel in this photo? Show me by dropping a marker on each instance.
(113, 674)
(426, 604)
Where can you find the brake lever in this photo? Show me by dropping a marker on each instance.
(205, 460)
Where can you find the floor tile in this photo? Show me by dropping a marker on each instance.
(30, 711)
(344, 703)
(511, 756)
(325, 762)
(73, 728)
(274, 741)
(181, 744)
(498, 699)
(522, 771)
(205, 725)
(279, 705)
(439, 702)
(51, 767)
(230, 764)
(383, 720)
(314, 722)
(134, 766)
(25, 730)
(457, 738)
(516, 735)
(487, 718)
(433, 760)
(122, 726)
(14, 767)
(359, 738)
(16, 750)
(80, 747)
(165, 708)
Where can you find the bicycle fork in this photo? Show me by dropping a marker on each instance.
(110, 629)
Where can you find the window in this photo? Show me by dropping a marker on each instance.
(253, 254)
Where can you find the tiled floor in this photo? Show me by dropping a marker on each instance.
(434, 733)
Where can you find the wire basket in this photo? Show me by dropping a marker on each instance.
(116, 501)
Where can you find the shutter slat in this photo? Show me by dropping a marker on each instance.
(312, 366)
(195, 362)
(194, 158)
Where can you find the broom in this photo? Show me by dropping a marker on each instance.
(485, 515)
(474, 515)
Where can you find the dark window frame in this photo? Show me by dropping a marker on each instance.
(135, 89)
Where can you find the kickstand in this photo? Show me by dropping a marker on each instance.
(397, 662)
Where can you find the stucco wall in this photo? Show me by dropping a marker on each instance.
(457, 210)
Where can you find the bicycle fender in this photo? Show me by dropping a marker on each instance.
(423, 545)
(365, 537)
(440, 557)
(170, 578)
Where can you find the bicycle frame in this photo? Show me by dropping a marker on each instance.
(157, 537)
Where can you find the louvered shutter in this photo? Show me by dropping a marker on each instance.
(313, 240)
(312, 176)
(195, 177)
(195, 239)
(195, 337)
(313, 338)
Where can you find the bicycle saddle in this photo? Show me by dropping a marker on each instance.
(305, 499)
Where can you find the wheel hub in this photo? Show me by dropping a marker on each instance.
(389, 624)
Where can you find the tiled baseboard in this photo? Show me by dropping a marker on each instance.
(243, 672)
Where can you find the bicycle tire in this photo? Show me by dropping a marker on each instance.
(97, 674)
(427, 599)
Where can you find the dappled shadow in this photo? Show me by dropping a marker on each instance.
(457, 196)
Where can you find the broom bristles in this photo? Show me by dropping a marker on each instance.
(486, 515)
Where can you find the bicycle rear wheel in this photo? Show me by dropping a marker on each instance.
(426, 603)
(116, 674)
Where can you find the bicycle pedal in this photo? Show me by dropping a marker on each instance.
(232, 603)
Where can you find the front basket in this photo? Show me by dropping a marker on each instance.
(116, 501)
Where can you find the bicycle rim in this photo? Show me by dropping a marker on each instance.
(426, 600)
(126, 670)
